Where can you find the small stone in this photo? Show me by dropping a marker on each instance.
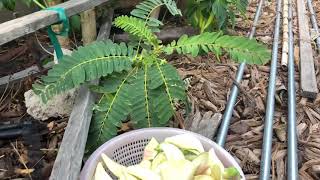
(59, 106)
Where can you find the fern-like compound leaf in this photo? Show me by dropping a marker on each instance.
(135, 97)
(111, 110)
(240, 49)
(172, 90)
(144, 10)
(100, 131)
(108, 84)
(137, 27)
(141, 114)
(153, 104)
(86, 64)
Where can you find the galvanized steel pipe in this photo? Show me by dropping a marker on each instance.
(314, 22)
(224, 127)
(265, 165)
(292, 166)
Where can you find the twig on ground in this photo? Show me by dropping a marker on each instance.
(179, 118)
(44, 49)
(21, 160)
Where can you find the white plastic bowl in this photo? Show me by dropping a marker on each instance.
(127, 149)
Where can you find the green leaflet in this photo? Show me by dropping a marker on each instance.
(219, 9)
(153, 104)
(136, 27)
(141, 114)
(144, 10)
(146, 105)
(111, 110)
(85, 64)
(240, 49)
(173, 89)
(99, 132)
(108, 84)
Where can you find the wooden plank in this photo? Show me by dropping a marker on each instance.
(307, 69)
(69, 159)
(104, 35)
(30, 23)
(22, 74)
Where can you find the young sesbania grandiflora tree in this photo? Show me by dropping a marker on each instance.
(138, 86)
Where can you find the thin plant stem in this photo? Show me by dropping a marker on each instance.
(39, 4)
(45, 3)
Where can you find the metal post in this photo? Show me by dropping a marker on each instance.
(292, 167)
(223, 130)
(265, 165)
(314, 22)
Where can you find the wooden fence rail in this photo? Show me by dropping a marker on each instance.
(30, 23)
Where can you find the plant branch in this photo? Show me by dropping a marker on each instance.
(39, 4)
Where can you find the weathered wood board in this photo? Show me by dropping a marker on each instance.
(104, 35)
(68, 163)
(22, 74)
(307, 68)
(30, 23)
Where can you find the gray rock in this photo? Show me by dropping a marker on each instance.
(59, 106)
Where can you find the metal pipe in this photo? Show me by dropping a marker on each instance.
(223, 130)
(314, 22)
(292, 167)
(265, 165)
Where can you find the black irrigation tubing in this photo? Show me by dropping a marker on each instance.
(223, 130)
(314, 23)
(265, 164)
(292, 157)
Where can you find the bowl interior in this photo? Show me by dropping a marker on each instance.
(127, 149)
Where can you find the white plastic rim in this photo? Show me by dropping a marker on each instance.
(127, 149)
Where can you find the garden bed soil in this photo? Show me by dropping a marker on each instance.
(209, 87)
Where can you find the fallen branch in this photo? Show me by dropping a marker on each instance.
(166, 35)
(13, 54)
(22, 74)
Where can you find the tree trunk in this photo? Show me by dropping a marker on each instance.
(88, 26)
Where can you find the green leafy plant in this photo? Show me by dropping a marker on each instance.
(209, 15)
(11, 4)
(138, 86)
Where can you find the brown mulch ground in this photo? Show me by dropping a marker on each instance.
(210, 82)
(22, 53)
(33, 152)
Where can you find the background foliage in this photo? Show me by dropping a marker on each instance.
(210, 15)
